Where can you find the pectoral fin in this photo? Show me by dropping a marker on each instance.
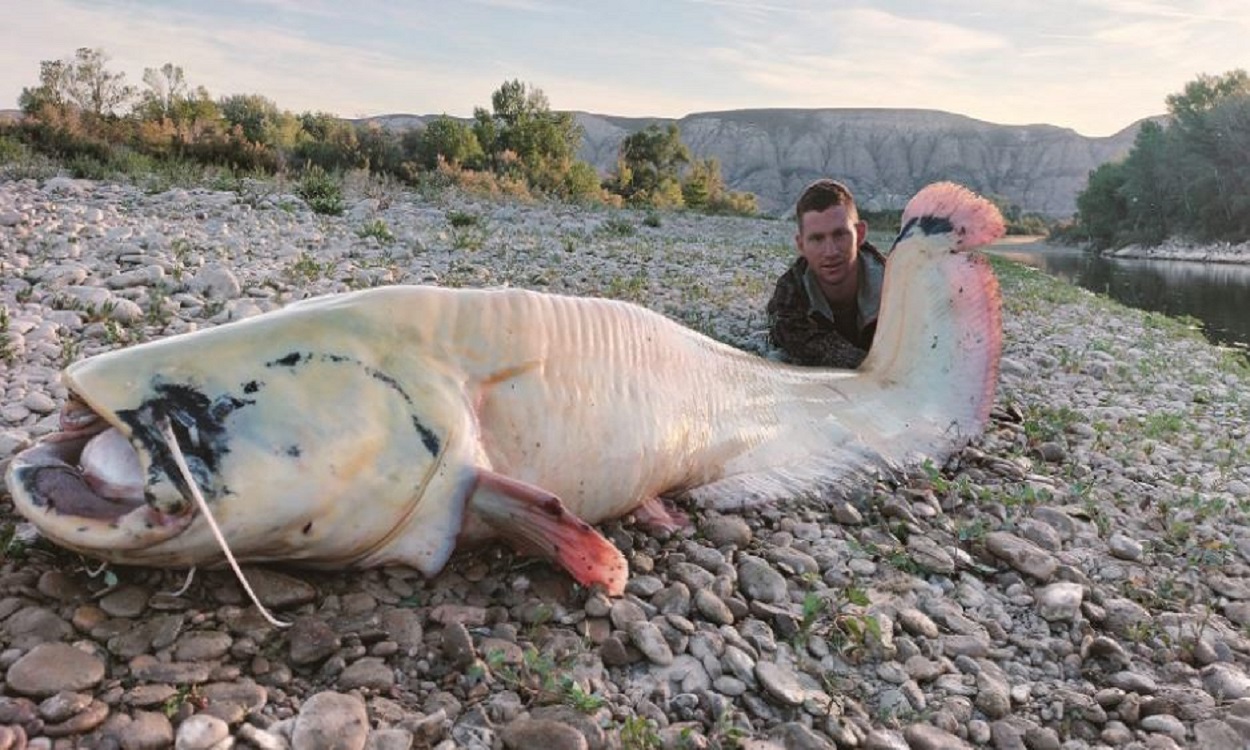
(535, 521)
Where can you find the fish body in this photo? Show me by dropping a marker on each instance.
(388, 426)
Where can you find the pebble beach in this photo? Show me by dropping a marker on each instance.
(1078, 577)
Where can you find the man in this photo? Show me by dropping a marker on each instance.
(824, 309)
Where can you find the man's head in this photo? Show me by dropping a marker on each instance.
(829, 235)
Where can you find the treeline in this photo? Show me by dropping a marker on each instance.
(87, 117)
(1188, 178)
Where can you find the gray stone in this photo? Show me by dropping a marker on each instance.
(51, 668)
(780, 683)
(929, 737)
(523, 734)
(646, 636)
(758, 580)
(1021, 554)
(1060, 602)
(367, 672)
(331, 721)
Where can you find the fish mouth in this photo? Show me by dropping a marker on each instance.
(87, 486)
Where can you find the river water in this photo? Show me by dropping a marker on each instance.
(1218, 294)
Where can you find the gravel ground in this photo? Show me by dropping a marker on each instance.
(1079, 577)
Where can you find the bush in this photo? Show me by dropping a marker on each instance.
(321, 191)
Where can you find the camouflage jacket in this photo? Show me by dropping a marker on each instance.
(803, 327)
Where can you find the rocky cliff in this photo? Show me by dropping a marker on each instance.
(884, 155)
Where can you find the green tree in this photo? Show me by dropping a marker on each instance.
(1101, 207)
(649, 166)
(1202, 95)
(522, 134)
(328, 142)
(448, 139)
(83, 83)
(703, 184)
(259, 120)
(166, 88)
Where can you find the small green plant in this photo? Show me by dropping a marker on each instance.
(576, 697)
(933, 475)
(617, 226)
(462, 219)
(8, 354)
(652, 220)
(377, 229)
(307, 268)
(539, 678)
(638, 733)
(158, 313)
(853, 631)
(321, 191)
(186, 694)
(12, 547)
(69, 351)
(814, 607)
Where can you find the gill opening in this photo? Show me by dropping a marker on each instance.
(167, 433)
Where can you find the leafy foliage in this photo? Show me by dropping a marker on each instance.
(655, 169)
(1190, 177)
(86, 117)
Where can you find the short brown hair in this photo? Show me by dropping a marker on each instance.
(823, 194)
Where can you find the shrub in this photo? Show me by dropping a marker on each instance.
(321, 191)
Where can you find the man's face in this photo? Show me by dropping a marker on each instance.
(829, 240)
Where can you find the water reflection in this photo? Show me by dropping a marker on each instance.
(1218, 294)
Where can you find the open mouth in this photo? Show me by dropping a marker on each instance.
(90, 471)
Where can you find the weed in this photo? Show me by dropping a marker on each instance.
(631, 288)
(8, 353)
(468, 238)
(377, 229)
(307, 268)
(321, 191)
(186, 694)
(12, 547)
(158, 314)
(933, 475)
(539, 678)
(617, 226)
(69, 352)
(462, 219)
(638, 733)
(113, 333)
(652, 220)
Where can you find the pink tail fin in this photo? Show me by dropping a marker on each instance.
(975, 221)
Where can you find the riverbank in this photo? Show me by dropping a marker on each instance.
(1218, 252)
(1079, 577)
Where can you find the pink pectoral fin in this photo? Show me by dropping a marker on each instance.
(535, 521)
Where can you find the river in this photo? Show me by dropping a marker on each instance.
(1217, 294)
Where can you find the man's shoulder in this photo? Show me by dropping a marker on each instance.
(870, 252)
(789, 292)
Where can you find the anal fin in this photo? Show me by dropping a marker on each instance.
(536, 522)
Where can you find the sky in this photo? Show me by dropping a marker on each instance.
(1095, 66)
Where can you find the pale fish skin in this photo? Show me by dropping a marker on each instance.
(389, 426)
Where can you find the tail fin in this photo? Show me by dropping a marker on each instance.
(929, 379)
(945, 206)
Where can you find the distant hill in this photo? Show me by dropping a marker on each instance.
(885, 155)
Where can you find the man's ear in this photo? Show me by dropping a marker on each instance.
(861, 232)
(798, 241)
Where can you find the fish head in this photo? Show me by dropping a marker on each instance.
(292, 427)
